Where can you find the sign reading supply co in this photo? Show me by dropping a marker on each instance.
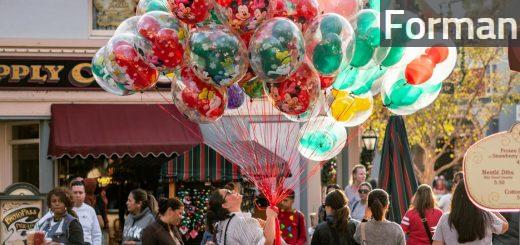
(46, 74)
(21, 206)
(492, 171)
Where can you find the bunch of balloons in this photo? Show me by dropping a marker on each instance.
(303, 56)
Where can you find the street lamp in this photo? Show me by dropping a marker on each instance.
(369, 138)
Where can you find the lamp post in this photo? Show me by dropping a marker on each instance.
(369, 139)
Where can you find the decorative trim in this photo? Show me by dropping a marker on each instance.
(132, 155)
(51, 47)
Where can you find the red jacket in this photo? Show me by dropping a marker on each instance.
(414, 228)
(292, 227)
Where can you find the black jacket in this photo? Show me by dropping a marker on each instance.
(325, 234)
(157, 233)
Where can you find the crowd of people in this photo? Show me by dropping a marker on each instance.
(356, 215)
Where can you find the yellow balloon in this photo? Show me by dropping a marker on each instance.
(345, 105)
(338, 94)
(342, 108)
(361, 104)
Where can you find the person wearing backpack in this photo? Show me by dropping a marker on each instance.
(339, 227)
(423, 214)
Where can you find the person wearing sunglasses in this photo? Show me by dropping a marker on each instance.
(360, 206)
(230, 226)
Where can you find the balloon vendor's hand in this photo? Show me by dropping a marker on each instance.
(271, 212)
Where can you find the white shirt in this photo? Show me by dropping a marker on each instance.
(449, 235)
(89, 223)
(242, 229)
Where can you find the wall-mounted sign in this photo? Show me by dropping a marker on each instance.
(21, 206)
(492, 171)
(21, 74)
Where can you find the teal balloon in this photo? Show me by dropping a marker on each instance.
(402, 94)
(393, 57)
(319, 141)
(363, 53)
(327, 54)
(375, 4)
(374, 36)
(157, 5)
(346, 79)
(331, 24)
(433, 88)
(358, 81)
(365, 21)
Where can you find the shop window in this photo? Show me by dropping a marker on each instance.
(108, 14)
(25, 152)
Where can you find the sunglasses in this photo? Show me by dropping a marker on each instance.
(363, 191)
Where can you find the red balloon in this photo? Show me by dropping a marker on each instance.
(243, 16)
(302, 12)
(438, 53)
(191, 11)
(294, 95)
(326, 82)
(141, 75)
(201, 96)
(148, 27)
(419, 70)
(167, 48)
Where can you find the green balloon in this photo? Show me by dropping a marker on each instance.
(358, 81)
(393, 57)
(283, 31)
(402, 94)
(363, 53)
(365, 21)
(327, 54)
(214, 68)
(199, 43)
(331, 24)
(227, 46)
(268, 56)
(320, 141)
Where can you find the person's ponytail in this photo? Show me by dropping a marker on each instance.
(342, 216)
(377, 202)
(152, 204)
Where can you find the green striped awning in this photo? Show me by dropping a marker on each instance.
(201, 163)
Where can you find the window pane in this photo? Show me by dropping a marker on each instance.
(25, 164)
(22, 132)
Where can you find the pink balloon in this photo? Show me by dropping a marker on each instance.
(345, 8)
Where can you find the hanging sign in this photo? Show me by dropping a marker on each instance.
(21, 206)
(492, 171)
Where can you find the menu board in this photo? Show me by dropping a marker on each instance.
(492, 171)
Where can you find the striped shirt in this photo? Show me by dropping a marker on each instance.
(242, 229)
